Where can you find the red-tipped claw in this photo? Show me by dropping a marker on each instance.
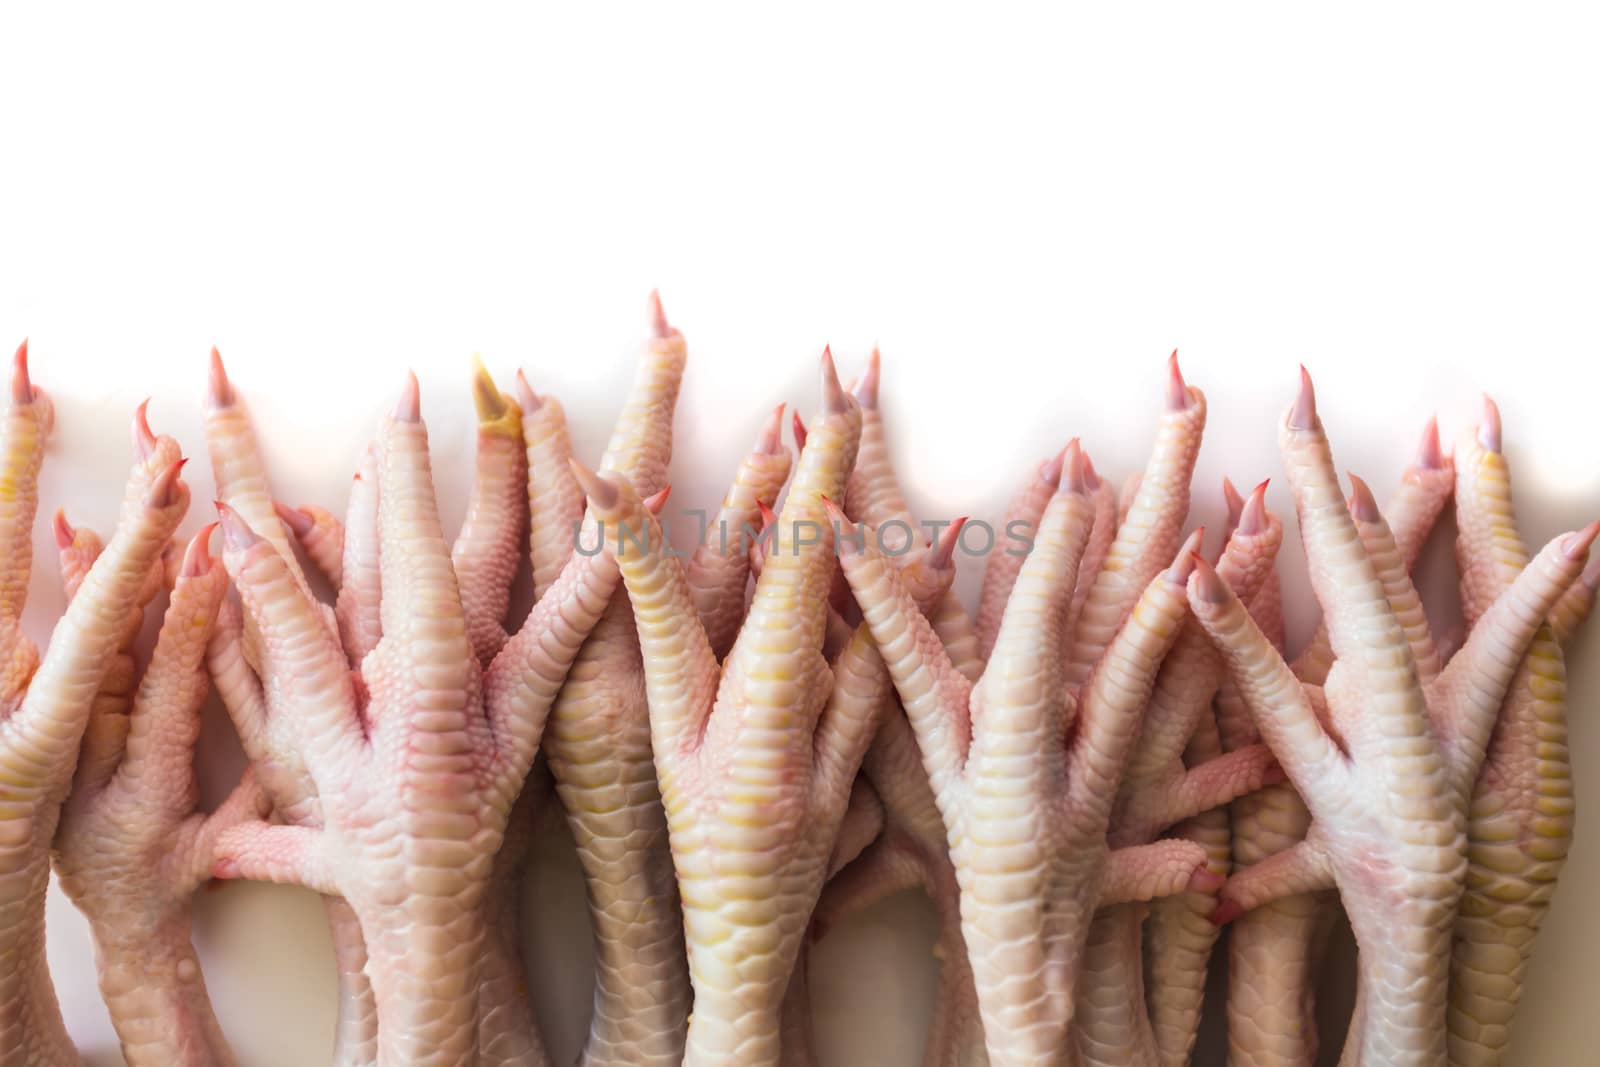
(1363, 505)
(409, 407)
(1177, 390)
(164, 490)
(601, 491)
(1207, 583)
(1234, 502)
(298, 522)
(219, 391)
(1226, 911)
(835, 401)
(21, 385)
(799, 432)
(1430, 454)
(527, 399)
(236, 533)
(1205, 880)
(65, 534)
(866, 390)
(768, 516)
(1074, 478)
(656, 501)
(1576, 544)
(658, 316)
(1303, 416)
(1188, 557)
(144, 439)
(771, 439)
(1489, 428)
(197, 557)
(1253, 512)
(944, 549)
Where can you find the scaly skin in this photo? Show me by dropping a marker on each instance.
(131, 848)
(1025, 810)
(1386, 772)
(1275, 951)
(598, 739)
(1519, 824)
(415, 760)
(46, 704)
(1158, 791)
(234, 659)
(756, 759)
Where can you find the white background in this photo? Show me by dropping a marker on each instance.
(1028, 211)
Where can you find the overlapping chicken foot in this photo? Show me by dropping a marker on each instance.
(1275, 951)
(415, 760)
(46, 704)
(1519, 822)
(1385, 752)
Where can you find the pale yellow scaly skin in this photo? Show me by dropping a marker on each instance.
(46, 704)
(1385, 753)
(1275, 951)
(1115, 1023)
(598, 739)
(1025, 813)
(234, 659)
(415, 760)
(132, 849)
(755, 759)
(1519, 825)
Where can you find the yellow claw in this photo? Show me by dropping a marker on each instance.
(497, 412)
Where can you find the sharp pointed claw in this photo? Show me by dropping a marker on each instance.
(1234, 502)
(866, 390)
(656, 501)
(1489, 428)
(601, 491)
(219, 392)
(1576, 544)
(486, 396)
(771, 438)
(1430, 454)
(164, 490)
(846, 528)
(944, 550)
(1177, 389)
(526, 397)
(1051, 471)
(298, 522)
(1073, 476)
(409, 408)
(658, 316)
(1253, 513)
(1304, 414)
(1363, 505)
(1206, 583)
(835, 401)
(64, 532)
(144, 440)
(21, 384)
(1188, 558)
(1091, 477)
(799, 432)
(197, 557)
(768, 516)
(236, 533)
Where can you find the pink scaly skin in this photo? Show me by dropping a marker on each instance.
(415, 760)
(234, 658)
(1026, 800)
(46, 704)
(1114, 1024)
(1519, 824)
(1275, 951)
(598, 738)
(1387, 768)
(755, 759)
(132, 848)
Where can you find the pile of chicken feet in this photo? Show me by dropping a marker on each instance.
(1091, 776)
